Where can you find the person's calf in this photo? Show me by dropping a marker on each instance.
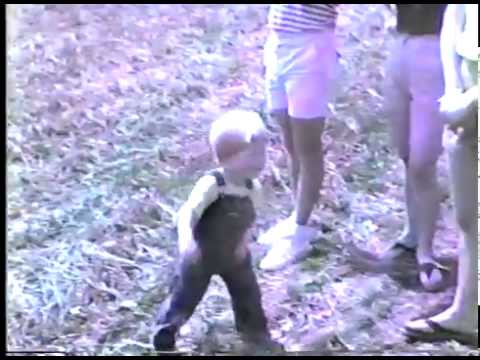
(307, 136)
(427, 204)
(282, 118)
(426, 199)
(311, 178)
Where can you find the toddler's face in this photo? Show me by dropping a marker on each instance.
(251, 161)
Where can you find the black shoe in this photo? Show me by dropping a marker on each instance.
(164, 340)
(261, 343)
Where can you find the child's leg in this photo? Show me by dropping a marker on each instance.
(188, 289)
(242, 285)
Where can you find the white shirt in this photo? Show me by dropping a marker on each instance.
(467, 44)
(205, 192)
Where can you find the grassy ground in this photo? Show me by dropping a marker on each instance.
(108, 112)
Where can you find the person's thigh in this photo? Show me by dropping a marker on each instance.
(397, 99)
(276, 96)
(309, 95)
(425, 134)
(426, 87)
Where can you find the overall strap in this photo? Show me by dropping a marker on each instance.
(219, 177)
(221, 180)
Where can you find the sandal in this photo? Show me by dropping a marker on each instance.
(436, 333)
(398, 249)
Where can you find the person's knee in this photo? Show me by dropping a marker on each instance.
(241, 256)
(422, 172)
(280, 116)
(398, 132)
(465, 220)
(423, 179)
(310, 156)
(308, 140)
(463, 181)
(282, 119)
(311, 167)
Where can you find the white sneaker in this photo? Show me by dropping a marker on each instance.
(280, 230)
(293, 246)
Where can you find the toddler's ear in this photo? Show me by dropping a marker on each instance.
(259, 137)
